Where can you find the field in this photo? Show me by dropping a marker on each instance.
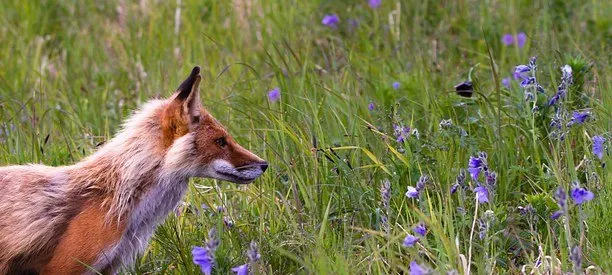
(366, 112)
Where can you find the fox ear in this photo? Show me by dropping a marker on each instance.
(188, 94)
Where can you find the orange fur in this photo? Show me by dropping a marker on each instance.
(85, 239)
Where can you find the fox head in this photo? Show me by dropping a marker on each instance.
(198, 145)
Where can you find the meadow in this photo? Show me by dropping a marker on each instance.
(377, 164)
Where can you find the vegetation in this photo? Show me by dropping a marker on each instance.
(336, 130)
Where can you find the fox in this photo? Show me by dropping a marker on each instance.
(97, 215)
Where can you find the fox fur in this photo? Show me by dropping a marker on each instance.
(98, 214)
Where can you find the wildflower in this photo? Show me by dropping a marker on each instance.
(371, 106)
(482, 229)
(445, 124)
(581, 195)
(579, 117)
(556, 214)
(476, 165)
(203, 258)
(253, 252)
(491, 178)
(401, 133)
(576, 256)
(566, 81)
(519, 72)
(521, 38)
(459, 181)
(385, 193)
(410, 240)
(228, 221)
(422, 181)
(420, 229)
(482, 194)
(374, 3)
(396, 85)
(416, 269)
(412, 192)
(385, 197)
(506, 82)
(415, 133)
(508, 39)
(331, 20)
(598, 145)
(274, 95)
(561, 197)
(241, 269)
(253, 255)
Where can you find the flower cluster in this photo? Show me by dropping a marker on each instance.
(385, 197)
(414, 192)
(598, 146)
(205, 256)
(401, 133)
(410, 240)
(253, 255)
(477, 165)
(566, 81)
(527, 75)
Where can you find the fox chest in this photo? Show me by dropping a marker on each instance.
(148, 214)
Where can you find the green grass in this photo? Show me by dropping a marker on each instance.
(71, 71)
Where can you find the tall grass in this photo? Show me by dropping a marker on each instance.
(71, 71)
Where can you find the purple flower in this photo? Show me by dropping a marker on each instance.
(241, 269)
(491, 178)
(556, 215)
(576, 256)
(579, 117)
(520, 70)
(331, 20)
(410, 240)
(374, 3)
(581, 195)
(396, 85)
(508, 39)
(482, 194)
(416, 269)
(598, 146)
(566, 80)
(274, 95)
(205, 256)
(202, 257)
(561, 197)
(521, 38)
(475, 166)
(412, 192)
(422, 181)
(454, 188)
(401, 133)
(506, 82)
(253, 252)
(371, 106)
(420, 229)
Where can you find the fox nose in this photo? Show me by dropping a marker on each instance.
(264, 166)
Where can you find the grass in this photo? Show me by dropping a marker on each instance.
(73, 70)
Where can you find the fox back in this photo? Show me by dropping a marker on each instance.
(98, 214)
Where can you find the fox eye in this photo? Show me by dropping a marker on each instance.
(221, 142)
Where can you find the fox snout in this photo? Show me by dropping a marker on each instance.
(223, 170)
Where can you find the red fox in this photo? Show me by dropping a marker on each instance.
(98, 214)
